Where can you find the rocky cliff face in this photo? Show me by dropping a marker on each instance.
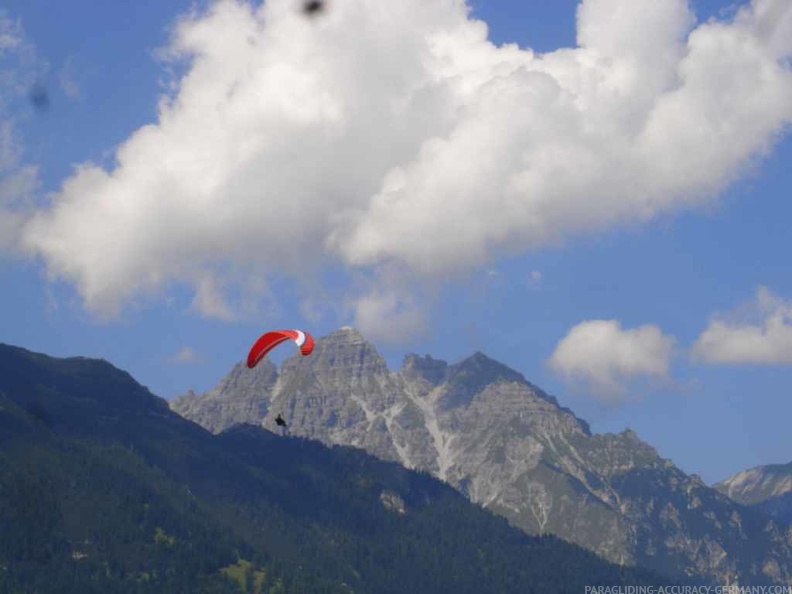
(508, 446)
(215, 411)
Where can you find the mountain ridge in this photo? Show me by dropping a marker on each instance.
(766, 489)
(757, 484)
(511, 448)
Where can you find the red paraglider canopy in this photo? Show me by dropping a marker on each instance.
(269, 340)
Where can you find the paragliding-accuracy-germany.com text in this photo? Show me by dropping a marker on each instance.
(688, 590)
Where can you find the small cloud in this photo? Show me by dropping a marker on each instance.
(17, 187)
(209, 300)
(604, 356)
(312, 310)
(492, 272)
(759, 332)
(535, 278)
(67, 82)
(185, 356)
(11, 36)
(388, 317)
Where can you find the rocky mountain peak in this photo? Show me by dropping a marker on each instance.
(342, 353)
(427, 368)
(346, 334)
(261, 377)
(243, 394)
(483, 367)
(472, 375)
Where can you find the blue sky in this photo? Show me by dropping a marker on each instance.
(643, 279)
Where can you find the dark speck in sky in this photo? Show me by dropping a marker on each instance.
(313, 7)
(39, 97)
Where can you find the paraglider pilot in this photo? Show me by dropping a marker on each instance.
(282, 424)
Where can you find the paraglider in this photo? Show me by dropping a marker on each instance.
(269, 340)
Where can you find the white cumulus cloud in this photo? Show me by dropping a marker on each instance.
(395, 135)
(759, 332)
(604, 356)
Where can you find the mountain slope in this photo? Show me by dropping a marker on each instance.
(104, 489)
(510, 447)
(768, 489)
(758, 484)
(779, 508)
